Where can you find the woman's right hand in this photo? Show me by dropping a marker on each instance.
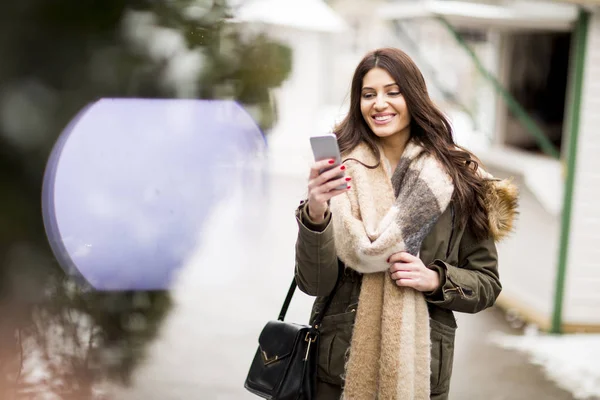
(320, 190)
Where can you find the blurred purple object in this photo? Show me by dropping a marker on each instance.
(130, 183)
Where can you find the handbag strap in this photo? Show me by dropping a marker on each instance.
(290, 294)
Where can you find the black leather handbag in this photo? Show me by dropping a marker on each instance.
(285, 364)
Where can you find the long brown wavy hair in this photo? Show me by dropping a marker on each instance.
(429, 126)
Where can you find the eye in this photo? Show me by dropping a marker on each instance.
(394, 93)
(368, 95)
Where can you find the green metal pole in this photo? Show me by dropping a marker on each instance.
(529, 124)
(577, 67)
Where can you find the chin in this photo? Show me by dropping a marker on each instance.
(383, 132)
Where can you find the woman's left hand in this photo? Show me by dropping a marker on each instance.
(409, 271)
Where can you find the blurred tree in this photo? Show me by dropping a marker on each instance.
(57, 56)
(234, 63)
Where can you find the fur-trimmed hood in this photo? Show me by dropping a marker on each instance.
(502, 197)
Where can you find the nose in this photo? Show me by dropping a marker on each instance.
(380, 103)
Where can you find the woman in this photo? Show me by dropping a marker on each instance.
(408, 242)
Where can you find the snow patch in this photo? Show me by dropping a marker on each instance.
(571, 361)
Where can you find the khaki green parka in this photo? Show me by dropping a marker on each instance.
(468, 270)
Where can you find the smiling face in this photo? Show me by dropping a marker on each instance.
(383, 106)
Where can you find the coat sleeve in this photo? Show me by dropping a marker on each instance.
(316, 269)
(474, 284)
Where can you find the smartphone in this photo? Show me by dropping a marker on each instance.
(325, 147)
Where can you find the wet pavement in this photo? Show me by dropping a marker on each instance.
(482, 370)
(237, 282)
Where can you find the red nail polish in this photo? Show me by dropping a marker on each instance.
(348, 179)
(343, 167)
(331, 161)
(349, 186)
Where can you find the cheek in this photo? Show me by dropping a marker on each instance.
(364, 110)
(404, 110)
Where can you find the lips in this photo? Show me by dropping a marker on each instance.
(382, 118)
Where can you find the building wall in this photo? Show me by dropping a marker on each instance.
(582, 289)
(301, 100)
(366, 32)
(527, 258)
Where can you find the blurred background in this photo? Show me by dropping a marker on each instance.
(519, 79)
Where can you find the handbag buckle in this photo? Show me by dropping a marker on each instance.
(268, 360)
(309, 340)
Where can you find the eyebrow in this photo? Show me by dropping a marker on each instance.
(388, 85)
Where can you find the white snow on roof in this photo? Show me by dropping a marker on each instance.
(518, 14)
(313, 15)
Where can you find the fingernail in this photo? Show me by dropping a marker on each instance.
(331, 161)
(388, 260)
(343, 167)
(348, 179)
(349, 186)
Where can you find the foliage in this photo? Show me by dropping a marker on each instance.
(57, 56)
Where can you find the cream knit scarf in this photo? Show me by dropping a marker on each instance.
(383, 214)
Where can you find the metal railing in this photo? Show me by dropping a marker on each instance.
(513, 105)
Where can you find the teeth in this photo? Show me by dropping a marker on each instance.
(385, 118)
